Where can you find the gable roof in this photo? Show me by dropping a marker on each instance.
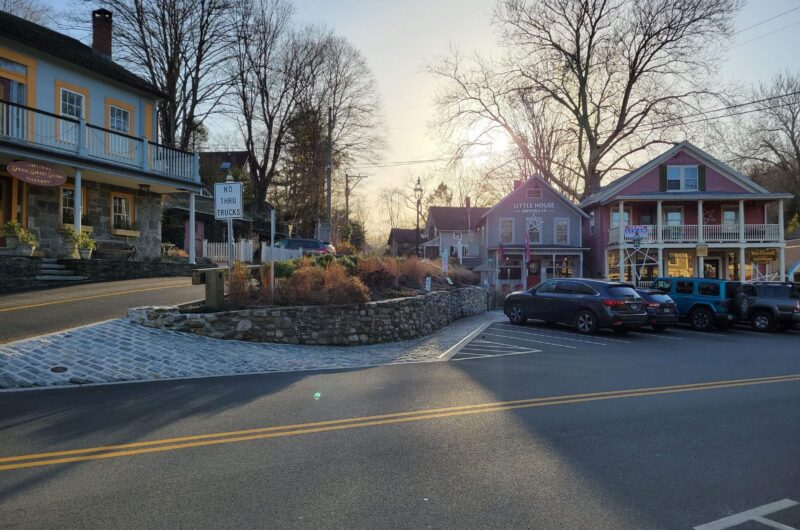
(454, 218)
(545, 184)
(610, 190)
(405, 235)
(70, 50)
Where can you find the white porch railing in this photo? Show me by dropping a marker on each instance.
(218, 251)
(278, 254)
(711, 233)
(29, 126)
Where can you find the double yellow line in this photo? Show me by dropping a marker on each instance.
(171, 444)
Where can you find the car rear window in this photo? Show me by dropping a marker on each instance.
(660, 298)
(622, 291)
(708, 289)
(663, 285)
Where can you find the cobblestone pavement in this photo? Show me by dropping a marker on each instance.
(117, 350)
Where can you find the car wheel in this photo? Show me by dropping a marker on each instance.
(701, 319)
(586, 322)
(659, 328)
(516, 314)
(763, 321)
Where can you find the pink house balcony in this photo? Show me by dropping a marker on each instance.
(747, 233)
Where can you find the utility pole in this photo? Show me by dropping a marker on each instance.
(347, 190)
(329, 172)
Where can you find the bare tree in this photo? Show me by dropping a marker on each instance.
(275, 67)
(766, 143)
(611, 77)
(180, 46)
(34, 10)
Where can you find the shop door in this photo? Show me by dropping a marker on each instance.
(534, 273)
(712, 268)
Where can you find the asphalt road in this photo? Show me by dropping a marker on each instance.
(32, 313)
(669, 457)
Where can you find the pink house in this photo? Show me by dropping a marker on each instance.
(685, 213)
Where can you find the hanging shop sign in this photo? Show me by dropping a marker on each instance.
(702, 251)
(36, 174)
(763, 255)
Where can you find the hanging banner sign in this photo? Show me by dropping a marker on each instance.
(763, 255)
(636, 232)
(702, 251)
(36, 174)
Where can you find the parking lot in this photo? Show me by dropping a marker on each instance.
(538, 339)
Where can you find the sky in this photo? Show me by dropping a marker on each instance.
(398, 38)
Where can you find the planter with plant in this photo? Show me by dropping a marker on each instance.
(126, 229)
(19, 238)
(9, 232)
(85, 245)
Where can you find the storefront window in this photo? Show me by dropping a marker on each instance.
(510, 268)
(680, 263)
(122, 212)
(67, 206)
(564, 267)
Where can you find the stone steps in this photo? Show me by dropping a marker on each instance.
(52, 267)
(62, 278)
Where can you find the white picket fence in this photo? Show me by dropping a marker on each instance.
(218, 252)
(268, 252)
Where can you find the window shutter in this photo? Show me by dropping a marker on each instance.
(662, 177)
(701, 178)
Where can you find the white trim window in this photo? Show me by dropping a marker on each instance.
(73, 105)
(730, 216)
(119, 120)
(682, 178)
(457, 236)
(507, 231)
(615, 217)
(673, 216)
(561, 231)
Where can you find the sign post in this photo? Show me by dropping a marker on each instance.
(228, 205)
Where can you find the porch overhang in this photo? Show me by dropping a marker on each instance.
(699, 196)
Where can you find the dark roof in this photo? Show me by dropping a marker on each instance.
(454, 217)
(405, 235)
(71, 50)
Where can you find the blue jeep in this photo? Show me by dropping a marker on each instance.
(702, 302)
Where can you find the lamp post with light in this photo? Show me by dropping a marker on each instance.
(418, 195)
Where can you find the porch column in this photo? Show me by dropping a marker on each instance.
(782, 263)
(741, 222)
(605, 265)
(781, 235)
(701, 270)
(192, 250)
(700, 235)
(580, 265)
(659, 220)
(661, 261)
(741, 264)
(78, 201)
(621, 240)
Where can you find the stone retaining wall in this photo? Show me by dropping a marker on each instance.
(18, 273)
(370, 323)
(102, 270)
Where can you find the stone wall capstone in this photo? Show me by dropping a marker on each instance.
(352, 324)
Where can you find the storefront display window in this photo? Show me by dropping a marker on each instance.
(510, 268)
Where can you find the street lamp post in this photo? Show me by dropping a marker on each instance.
(418, 195)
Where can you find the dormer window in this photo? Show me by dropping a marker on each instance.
(533, 193)
(682, 178)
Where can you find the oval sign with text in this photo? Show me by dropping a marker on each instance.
(37, 174)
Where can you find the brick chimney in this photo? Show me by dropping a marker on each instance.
(466, 202)
(517, 183)
(101, 32)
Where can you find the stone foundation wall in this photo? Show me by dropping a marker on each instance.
(18, 273)
(101, 270)
(370, 323)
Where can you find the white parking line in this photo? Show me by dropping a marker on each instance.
(552, 337)
(531, 340)
(756, 514)
(559, 332)
(655, 335)
(498, 355)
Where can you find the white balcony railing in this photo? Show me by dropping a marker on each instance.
(711, 234)
(28, 126)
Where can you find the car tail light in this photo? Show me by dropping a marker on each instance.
(653, 305)
(797, 307)
(611, 302)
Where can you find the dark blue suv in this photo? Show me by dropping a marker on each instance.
(702, 302)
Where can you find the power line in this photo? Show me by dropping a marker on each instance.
(751, 26)
(766, 34)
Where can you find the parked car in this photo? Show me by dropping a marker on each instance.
(770, 305)
(309, 246)
(586, 304)
(702, 302)
(330, 248)
(662, 311)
